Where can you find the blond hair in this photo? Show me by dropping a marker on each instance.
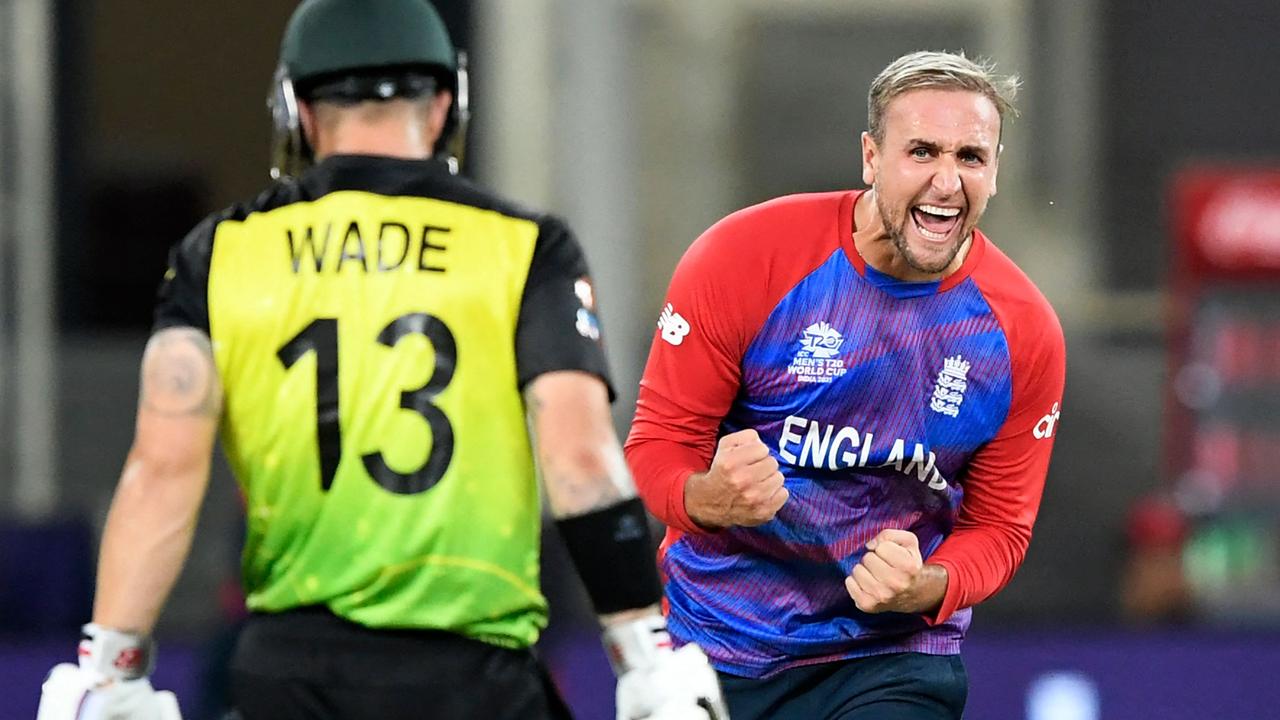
(938, 71)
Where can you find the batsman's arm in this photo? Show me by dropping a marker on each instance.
(590, 493)
(577, 452)
(606, 531)
(153, 514)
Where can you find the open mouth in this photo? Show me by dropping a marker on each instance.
(934, 222)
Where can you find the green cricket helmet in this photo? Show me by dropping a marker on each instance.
(354, 50)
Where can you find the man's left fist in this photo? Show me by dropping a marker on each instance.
(885, 579)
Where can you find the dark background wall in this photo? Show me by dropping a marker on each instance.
(165, 104)
(1184, 81)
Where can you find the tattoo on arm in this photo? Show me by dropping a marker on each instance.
(577, 482)
(580, 494)
(179, 378)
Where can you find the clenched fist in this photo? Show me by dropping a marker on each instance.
(743, 486)
(892, 577)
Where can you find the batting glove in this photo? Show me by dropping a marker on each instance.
(110, 683)
(656, 682)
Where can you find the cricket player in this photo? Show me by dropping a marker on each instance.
(847, 418)
(387, 350)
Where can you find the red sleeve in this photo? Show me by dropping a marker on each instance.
(690, 379)
(720, 295)
(1005, 478)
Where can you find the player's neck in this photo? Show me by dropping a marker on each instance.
(875, 245)
(396, 140)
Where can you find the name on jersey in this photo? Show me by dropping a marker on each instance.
(372, 249)
(809, 443)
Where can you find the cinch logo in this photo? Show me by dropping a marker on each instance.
(673, 326)
(948, 389)
(1048, 423)
(816, 360)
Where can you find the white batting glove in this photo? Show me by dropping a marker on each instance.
(658, 683)
(110, 683)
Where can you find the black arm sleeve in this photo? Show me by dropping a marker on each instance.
(613, 554)
(559, 328)
(183, 298)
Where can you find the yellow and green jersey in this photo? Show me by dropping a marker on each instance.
(373, 323)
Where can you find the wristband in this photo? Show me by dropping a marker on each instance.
(613, 554)
(116, 655)
(636, 643)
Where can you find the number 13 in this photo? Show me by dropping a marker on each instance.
(321, 337)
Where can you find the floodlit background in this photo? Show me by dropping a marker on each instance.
(1152, 587)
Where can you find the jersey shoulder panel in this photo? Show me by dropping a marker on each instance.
(1023, 311)
(466, 192)
(182, 298)
(754, 256)
(721, 294)
(197, 245)
(1037, 347)
(559, 327)
(779, 234)
(405, 178)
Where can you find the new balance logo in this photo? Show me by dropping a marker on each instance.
(948, 389)
(673, 326)
(1048, 423)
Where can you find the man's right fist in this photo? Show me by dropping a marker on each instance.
(743, 486)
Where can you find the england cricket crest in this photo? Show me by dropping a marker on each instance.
(948, 389)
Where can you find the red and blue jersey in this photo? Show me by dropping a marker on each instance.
(924, 406)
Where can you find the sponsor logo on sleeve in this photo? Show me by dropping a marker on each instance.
(585, 292)
(585, 322)
(587, 325)
(1048, 423)
(674, 327)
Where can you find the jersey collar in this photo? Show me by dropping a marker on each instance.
(892, 285)
(372, 173)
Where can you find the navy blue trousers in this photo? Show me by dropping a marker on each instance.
(899, 686)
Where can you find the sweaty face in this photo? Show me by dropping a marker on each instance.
(933, 172)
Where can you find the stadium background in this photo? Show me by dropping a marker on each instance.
(642, 122)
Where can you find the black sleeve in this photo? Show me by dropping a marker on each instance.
(183, 299)
(559, 328)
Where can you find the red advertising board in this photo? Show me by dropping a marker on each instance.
(1222, 435)
(1227, 224)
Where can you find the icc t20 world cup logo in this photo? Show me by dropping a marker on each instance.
(820, 340)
